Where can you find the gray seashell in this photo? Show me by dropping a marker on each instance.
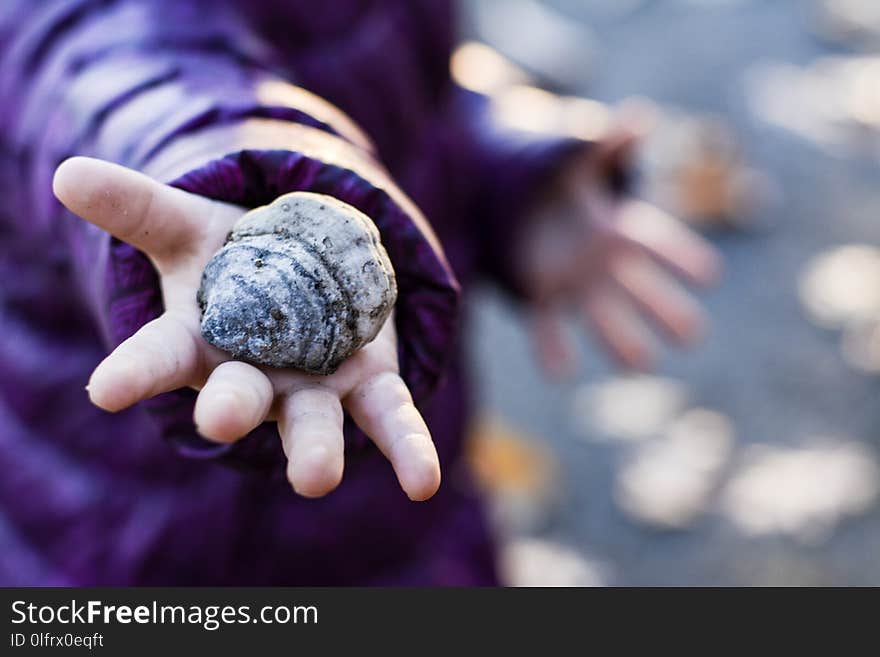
(303, 282)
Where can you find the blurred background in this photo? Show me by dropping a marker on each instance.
(753, 460)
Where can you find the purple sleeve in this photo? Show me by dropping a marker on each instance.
(511, 170)
(178, 90)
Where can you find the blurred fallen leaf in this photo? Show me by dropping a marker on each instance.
(693, 166)
(803, 492)
(669, 481)
(505, 460)
(842, 285)
(481, 68)
(834, 102)
(627, 407)
(519, 474)
(537, 562)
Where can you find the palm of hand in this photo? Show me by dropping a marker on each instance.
(180, 232)
(620, 264)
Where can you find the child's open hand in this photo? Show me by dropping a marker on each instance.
(619, 262)
(180, 232)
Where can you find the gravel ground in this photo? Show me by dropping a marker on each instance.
(792, 499)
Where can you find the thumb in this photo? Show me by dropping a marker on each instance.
(129, 205)
(634, 121)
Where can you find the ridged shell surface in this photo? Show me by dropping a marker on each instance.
(303, 282)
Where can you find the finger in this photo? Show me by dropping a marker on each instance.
(310, 425)
(618, 328)
(660, 297)
(234, 401)
(384, 409)
(671, 243)
(163, 355)
(554, 346)
(133, 207)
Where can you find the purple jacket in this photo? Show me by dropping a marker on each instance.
(89, 498)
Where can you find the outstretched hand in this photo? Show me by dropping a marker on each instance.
(180, 232)
(618, 262)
